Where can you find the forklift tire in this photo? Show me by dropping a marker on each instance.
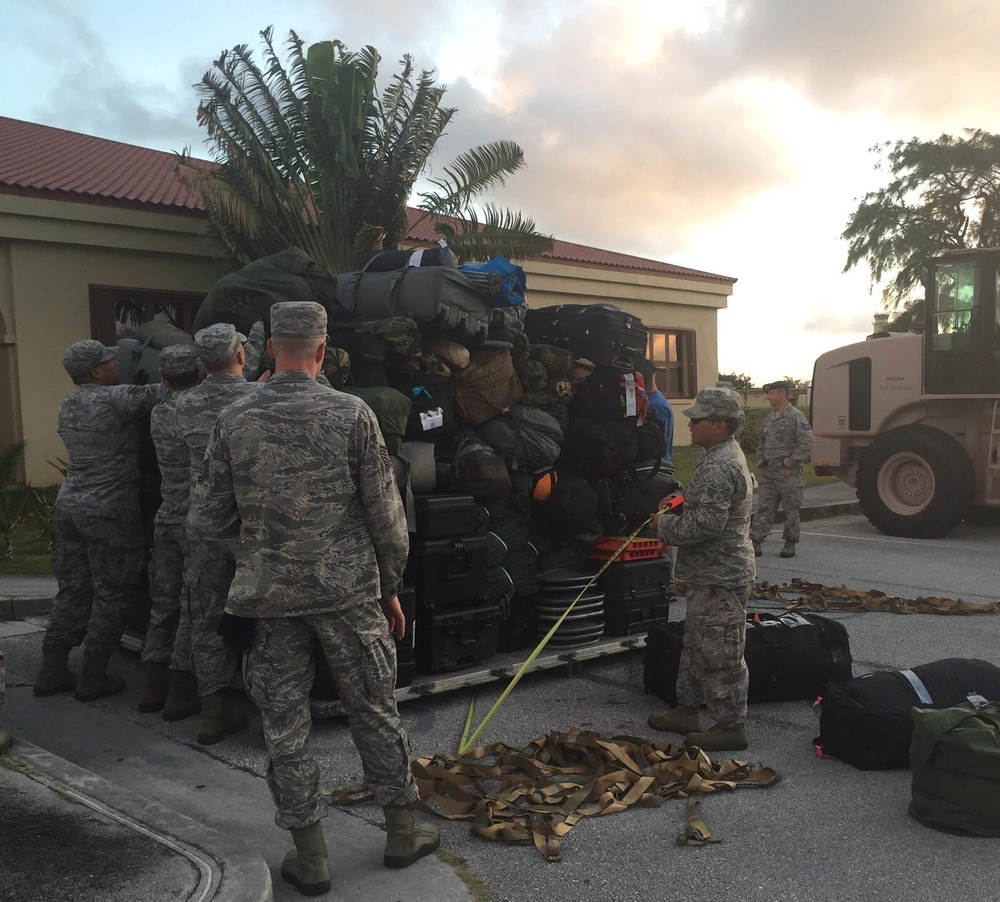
(915, 481)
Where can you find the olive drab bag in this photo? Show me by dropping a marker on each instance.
(526, 438)
(486, 387)
(955, 758)
(392, 410)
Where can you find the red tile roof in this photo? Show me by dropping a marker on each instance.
(43, 161)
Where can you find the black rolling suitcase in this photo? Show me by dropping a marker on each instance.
(601, 333)
(790, 657)
(442, 300)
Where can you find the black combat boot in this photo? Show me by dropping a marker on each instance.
(406, 842)
(95, 682)
(155, 688)
(54, 675)
(307, 868)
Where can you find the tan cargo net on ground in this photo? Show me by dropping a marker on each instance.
(539, 793)
(807, 596)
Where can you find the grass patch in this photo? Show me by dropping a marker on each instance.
(475, 884)
(26, 521)
(684, 456)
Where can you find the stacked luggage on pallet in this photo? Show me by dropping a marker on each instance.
(518, 438)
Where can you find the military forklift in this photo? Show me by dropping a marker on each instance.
(911, 420)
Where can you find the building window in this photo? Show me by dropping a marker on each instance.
(117, 312)
(671, 352)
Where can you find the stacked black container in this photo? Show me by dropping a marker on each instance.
(447, 565)
(637, 586)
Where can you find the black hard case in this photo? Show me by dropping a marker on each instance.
(628, 580)
(324, 688)
(445, 516)
(447, 572)
(451, 640)
(636, 614)
(602, 333)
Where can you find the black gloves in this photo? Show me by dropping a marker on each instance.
(236, 632)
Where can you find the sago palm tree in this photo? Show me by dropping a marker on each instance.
(311, 155)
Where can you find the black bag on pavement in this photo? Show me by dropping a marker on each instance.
(791, 656)
(868, 721)
(601, 333)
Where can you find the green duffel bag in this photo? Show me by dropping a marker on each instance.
(955, 757)
(391, 408)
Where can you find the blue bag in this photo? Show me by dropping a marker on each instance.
(512, 279)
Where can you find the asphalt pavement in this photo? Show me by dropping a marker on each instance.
(826, 832)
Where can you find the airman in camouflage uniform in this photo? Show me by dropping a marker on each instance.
(97, 548)
(300, 473)
(167, 629)
(211, 558)
(785, 442)
(715, 559)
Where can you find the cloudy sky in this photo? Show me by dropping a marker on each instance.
(732, 136)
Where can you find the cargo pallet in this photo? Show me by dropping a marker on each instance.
(500, 667)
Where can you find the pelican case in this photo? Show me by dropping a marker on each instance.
(636, 613)
(447, 573)
(629, 580)
(789, 657)
(602, 333)
(324, 688)
(451, 640)
(445, 516)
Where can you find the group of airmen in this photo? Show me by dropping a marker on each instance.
(281, 531)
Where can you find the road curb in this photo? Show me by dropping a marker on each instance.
(235, 874)
(12, 608)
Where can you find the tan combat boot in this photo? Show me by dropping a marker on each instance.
(788, 550)
(682, 719)
(719, 739)
(307, 867)
(406, 842)
(54, 675)
(220, 716)
(155, 687)
(95, 682)
(182, 696)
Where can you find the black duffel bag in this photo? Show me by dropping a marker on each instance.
(432, 407)
(791, 656)
(868, 721)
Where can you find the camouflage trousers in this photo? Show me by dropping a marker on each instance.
(209, 571)
(3, 679)
(778, 486)
(280, 669)
(97, 561)
(166, 588)
(712, 671)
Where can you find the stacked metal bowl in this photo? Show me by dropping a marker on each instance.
(584, 624)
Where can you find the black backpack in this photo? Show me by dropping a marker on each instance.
(526, 438)
(482, 473)
(638, 496)
(651, 438)
(598, 449)
(572, 506)
(432, 407)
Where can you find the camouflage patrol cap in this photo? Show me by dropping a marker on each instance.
(179, 360)
(298, 319)
(715, 403)
(780, 384)
(217, 344)
(83, 356)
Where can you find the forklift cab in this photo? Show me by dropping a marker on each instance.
(962, 334)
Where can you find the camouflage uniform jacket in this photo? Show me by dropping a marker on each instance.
(712, 532)
(174, 460)
(784, 434)
(301, 471)
(199, 407)
(99, 425)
